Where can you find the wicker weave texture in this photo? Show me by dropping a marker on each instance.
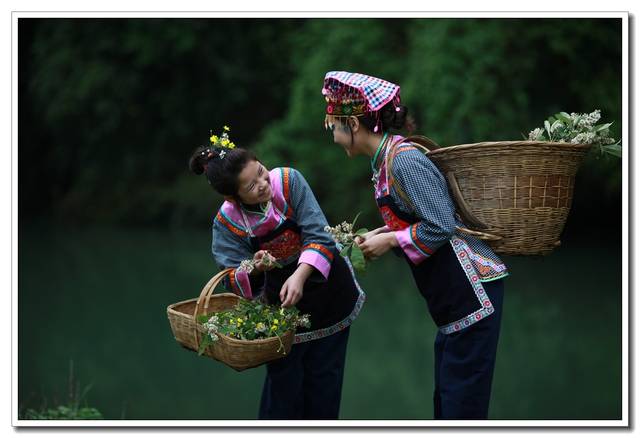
(236, 353)
(522, 190)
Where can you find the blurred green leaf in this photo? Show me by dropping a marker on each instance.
(612, 149)
(357, 259)
(345, 251)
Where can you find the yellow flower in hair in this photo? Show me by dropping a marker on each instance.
(224, 142)
(226, 128)
(213, 139)
(231, 145)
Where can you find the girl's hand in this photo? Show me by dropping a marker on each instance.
(369, 235)
(260, 258)
(377, 245)
(291, 291)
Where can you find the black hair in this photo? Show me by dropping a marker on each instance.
(221, 166)
(390, 119)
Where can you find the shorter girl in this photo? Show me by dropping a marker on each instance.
(275, 213)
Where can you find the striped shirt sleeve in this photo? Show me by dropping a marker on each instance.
(318, 247)
(427, 190)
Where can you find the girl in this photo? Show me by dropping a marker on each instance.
(460, 277)
(274, 213)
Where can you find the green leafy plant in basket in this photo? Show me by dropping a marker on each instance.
(344, 235)
(578, 129)
(250, 320)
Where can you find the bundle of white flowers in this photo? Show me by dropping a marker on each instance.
(578, 129)
(344, 235)
(267, 259)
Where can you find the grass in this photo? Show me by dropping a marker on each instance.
(75, 408)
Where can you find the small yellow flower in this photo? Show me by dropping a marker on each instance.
(239, 320)
(275, 321)
(226, 128)
(273, 328)
(224, 142)
(231, 145)
(213, 139)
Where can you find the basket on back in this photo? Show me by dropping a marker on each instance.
(237, 353)
(514, 194)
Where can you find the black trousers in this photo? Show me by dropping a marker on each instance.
(464, 363)
(307, 383)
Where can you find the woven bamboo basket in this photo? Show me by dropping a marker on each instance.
(514, 194)
(236, 353)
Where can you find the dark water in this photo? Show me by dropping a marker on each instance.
(98, 297)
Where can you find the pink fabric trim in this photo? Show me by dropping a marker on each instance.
(244, 284)
(382, 188)
(406, 243)
(276, 183)
(231, 210)
(315, 259)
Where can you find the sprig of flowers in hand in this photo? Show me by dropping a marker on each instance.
(250, 320)
(578, 129)
(267, 260)
(344, 235)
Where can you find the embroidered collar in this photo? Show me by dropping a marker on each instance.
(374, 160)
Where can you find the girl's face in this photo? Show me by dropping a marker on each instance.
(254, 186)
(342, 136)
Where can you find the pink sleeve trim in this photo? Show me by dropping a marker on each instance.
(317, 260)
(406, 242)
(242, 283)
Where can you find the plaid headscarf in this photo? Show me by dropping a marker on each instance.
(351, 94)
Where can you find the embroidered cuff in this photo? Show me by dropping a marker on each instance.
(240, 283)
(318, 256)
(411, 245)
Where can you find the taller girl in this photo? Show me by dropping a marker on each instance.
(459, 276)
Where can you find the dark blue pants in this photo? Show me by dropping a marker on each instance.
(464, 363)
(307, 383)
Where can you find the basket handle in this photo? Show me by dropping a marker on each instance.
(207, 291)
(479, 234)
(426, 144)
(423, 142)
(465, 211)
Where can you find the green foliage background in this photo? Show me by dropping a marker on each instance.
(110, 109)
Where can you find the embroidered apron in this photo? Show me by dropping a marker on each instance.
(447, 280)
(332, 304)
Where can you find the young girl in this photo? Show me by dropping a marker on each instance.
(274, 213)
(459, 276)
